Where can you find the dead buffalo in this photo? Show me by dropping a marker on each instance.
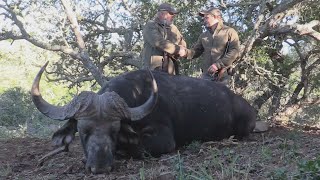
(132, 115)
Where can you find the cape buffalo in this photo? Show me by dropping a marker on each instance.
(135, 115)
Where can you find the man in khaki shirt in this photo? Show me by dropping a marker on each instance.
(219, 45)
(163, 42)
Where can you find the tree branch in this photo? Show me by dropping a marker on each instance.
(85, 59)
(299, 29)
(74, 24)
(285, 6)
(254, 35)
(128, 58)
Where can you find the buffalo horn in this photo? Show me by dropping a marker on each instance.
(51, 111)
(140, 112)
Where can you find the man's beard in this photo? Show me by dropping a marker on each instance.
(206, 24)
(167, 22)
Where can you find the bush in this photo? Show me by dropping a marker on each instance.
(309, 169)
(15, 107)
(19, 116)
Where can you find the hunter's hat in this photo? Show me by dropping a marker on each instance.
(212, 10)
(167, 7)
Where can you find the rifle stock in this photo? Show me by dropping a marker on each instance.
(166, 66)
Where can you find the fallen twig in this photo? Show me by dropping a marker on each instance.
(52, 153)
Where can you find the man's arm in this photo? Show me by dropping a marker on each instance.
(196, 51)
(155, 39)
(182, 44)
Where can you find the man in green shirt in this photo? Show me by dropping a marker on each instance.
(163, 42)
(219, 45)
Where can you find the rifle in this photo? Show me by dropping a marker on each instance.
(166, 60)
(166, 63)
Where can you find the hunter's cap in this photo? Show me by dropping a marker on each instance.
(167, 7)
(212, 11)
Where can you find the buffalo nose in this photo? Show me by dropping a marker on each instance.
(95, 170)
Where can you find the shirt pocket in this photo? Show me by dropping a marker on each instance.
(206, 42)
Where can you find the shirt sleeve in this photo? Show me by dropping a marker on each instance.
(182, 42)
(196, 50)
(232, 52)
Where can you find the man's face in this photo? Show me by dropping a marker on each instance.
(210, 20)
(168, 17)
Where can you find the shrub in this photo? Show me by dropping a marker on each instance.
(19, 117)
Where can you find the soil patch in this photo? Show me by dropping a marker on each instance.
(276, 153)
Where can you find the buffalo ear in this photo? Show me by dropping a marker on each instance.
(65, 134)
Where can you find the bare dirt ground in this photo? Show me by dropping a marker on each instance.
(276, 154)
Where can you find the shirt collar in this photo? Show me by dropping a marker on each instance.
(215, 27)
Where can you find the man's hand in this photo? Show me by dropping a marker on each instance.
(182, 51)
(212, 69)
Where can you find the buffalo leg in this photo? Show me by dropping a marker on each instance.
(159, 140)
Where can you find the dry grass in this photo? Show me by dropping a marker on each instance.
(281, 153)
